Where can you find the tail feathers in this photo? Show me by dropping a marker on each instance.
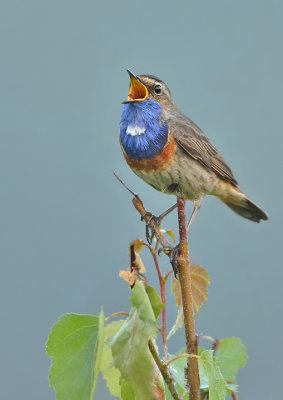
(235, 199)
(249, 210)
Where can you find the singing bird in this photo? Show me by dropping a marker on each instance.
(172, 154)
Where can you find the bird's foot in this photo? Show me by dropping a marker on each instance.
(152, 222)
(174, 254)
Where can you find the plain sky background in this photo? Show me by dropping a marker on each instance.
(66, 222)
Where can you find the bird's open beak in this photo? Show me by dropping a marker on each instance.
(138, 91)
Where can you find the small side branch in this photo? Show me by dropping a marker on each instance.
(162, 366)
(162, 283)
(192, 372)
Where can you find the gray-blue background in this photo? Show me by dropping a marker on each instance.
(66, 222)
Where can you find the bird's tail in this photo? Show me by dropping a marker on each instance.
(235, 199)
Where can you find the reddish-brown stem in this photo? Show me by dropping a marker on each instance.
(192, 372)
(167, 275)
(181, 356)
(144, 278)
(162, 283)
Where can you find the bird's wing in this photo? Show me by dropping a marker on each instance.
(194, 142)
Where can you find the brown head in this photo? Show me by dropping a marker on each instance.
(144, 86)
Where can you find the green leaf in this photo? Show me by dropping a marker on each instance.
(155, 300)
(75, 344)
(126, 390)
(232, 355)
(231, 387)
(110, 373)
(130, 350)
(210, 374)
(141, 302)
(216, 382)
(177, 368)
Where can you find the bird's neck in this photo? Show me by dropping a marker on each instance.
(142, 134)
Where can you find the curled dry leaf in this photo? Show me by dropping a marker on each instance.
(138, 245)
(136, 263)
(128, 276)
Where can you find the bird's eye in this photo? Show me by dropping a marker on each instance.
(157, 89)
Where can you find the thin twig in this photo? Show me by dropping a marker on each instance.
(125, 186)
(165, 372)
(192, 372)
(143, 277)
(182, 356)
(167, 275)
(116, 314)
(163, 299)
(206, 337)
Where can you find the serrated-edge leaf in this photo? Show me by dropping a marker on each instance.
(130, 350)
(110, 373)
(216, 382)
(176, 291)
(99, 351)
(200, 281)
(65, 336)
(232, 355)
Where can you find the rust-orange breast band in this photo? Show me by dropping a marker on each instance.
(159, 162)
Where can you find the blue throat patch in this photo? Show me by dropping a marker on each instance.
(141, 134)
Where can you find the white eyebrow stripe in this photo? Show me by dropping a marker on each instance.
(135, 130)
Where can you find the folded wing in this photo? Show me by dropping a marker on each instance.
(194, 142)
